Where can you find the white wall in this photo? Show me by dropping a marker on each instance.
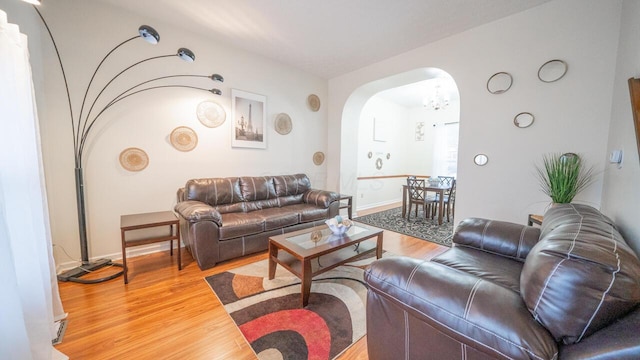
(571, 114)
(391, 122)
(85, 31)
(621, 196)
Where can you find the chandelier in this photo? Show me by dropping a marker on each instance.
(437, 100)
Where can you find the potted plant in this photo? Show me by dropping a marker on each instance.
(562, 176)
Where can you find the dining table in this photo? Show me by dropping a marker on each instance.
(438, 189)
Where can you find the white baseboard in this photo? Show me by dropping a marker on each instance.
(131, 253)
(379, 204)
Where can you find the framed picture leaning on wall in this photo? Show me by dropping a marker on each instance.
(249, 125)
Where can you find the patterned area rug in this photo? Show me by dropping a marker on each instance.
(418, 227)
(268, 312)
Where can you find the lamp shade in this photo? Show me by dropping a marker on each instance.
(186, 55)
(217, 77)
(216, 91)
(149, 34)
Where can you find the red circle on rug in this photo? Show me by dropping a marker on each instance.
(306, 323)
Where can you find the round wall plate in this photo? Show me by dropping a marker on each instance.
(134, 159)
(318, 158)
(184, 138)
(314, 102)
(211, 114)
(283, 124)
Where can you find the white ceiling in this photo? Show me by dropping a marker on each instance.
(327, 38)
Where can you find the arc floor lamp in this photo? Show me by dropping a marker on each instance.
(82, 125)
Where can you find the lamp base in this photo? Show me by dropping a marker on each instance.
(75, 274)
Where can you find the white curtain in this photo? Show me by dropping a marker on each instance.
(29, 299)
(445, 150)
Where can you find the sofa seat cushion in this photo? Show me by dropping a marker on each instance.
(308, 212)
(583, 257)
(497, 269)
(241, 224)
(276, 218)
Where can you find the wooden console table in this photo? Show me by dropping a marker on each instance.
(534, 219)
(145, 221)
(348, 205)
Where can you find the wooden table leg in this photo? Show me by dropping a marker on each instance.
(379, 246)
(440, 207)
(124, 257)
(273, 255)
(306, 281)
(178, 238)
(404, 200)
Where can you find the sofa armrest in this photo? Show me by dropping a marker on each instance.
(498, 237)
(320, 197)
(408, 295)
(618, 341)
(193, 211)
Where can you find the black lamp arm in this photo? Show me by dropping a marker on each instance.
(84, 99)
(148, 81)
(113, 102)
(84, 123)
(66, 84)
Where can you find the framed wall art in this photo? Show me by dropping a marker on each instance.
(248, 112)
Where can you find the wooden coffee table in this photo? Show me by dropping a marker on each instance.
(310, 252)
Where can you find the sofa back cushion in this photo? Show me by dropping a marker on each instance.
(581, 275)
(257, 188)
(291, 184)
(214, 191)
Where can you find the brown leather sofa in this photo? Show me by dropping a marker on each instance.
(567, 290)
(225, 218)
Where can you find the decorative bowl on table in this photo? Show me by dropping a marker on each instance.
(338, 225)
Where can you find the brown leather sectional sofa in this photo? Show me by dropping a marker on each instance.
(567, 290)
(225, 218)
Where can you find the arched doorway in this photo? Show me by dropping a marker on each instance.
(400, 125)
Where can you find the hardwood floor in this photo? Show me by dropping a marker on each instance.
(164, 313)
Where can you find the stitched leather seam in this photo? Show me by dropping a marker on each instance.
(604, 294)
(490, 252)
(544, 288)
(413, 272)
(472, 295)
(215, 193)
(255, 191)
(486, 226)
(456, 316)
(546, 283)
(521, 242)
(406, 335)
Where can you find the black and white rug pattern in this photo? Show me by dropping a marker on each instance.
(419, 227)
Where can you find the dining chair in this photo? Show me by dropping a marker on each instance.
(446, 180)
(448, 200)
(417, 195)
